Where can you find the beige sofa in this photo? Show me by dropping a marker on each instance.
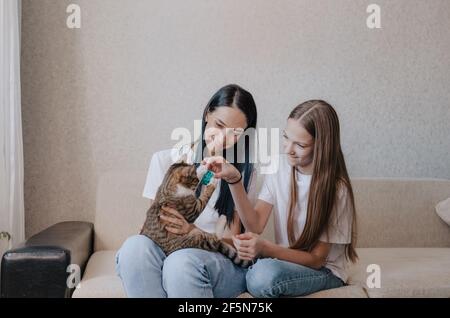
(398, 230)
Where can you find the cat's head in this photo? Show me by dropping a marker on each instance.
(185, 174)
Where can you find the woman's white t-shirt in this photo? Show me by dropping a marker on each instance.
(160, 163)
(275, 191)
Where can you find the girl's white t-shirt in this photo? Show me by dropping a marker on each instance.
(276, 190)
(160, 163)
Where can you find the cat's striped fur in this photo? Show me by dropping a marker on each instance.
(178, 191)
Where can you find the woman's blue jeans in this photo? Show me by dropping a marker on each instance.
(147, 272)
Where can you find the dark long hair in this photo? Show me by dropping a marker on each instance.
(231, 96)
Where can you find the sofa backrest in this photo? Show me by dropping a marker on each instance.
(120, 208)
(390, 212)
(400, 212)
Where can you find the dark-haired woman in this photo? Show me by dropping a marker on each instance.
(143, 267)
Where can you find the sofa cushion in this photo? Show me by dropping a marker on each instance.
(400, 212)
(100, 279)
(120, 208)
(352, 291)
(405, 272)
(443, 210)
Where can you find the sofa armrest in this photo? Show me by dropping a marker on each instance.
(39, 266)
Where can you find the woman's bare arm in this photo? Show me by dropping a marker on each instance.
(253, 218)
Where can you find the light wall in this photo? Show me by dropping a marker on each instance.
(106, 96)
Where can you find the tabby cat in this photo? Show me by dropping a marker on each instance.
(178, 191)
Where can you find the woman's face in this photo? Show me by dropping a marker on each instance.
(298, 144)
(224, 127)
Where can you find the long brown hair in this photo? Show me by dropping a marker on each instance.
(329, 174)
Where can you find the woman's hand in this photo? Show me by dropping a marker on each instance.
(175, 222)
(222, 169)
(249, 245)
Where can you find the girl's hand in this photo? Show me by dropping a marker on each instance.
(222, 168)
(249, 245)
(175, 222)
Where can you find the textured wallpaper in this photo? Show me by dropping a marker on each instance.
(106, 96)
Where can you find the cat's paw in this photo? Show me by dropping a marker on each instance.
(195, 231)
(221, 226)
(213, 182)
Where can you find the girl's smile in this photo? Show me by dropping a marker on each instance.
(298, 144)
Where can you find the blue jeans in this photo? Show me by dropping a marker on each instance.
(147, 272)
(274, 278)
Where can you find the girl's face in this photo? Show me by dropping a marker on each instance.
(224, 127)
(298, 144)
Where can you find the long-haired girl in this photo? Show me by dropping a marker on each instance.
(314, 212)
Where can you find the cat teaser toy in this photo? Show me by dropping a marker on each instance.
(207, 175)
